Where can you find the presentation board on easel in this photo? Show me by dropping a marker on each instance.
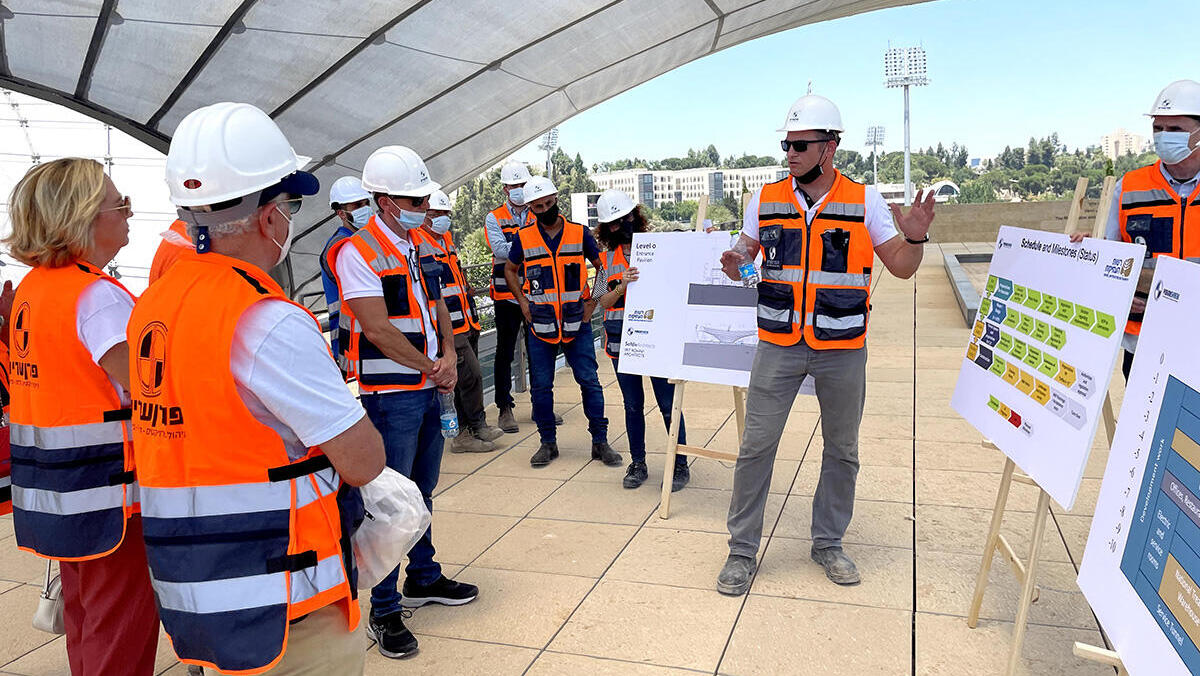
(1036, 370)
(1141, 567)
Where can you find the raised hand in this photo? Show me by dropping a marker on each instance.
(915, 224)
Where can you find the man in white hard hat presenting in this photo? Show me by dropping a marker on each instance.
(1159, 205)
(244, 431)
(819, 233)
(352, 207)
(401, 351)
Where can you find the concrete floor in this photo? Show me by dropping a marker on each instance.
(579, 575)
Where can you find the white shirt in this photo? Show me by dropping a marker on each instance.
(287, 379)
(878, 218)
(358, 280)
(101, 316)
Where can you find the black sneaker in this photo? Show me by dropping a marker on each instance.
(392, 637)
(605, 454)
(682, 476)
(444, 591)
(635, 475)
(545, 453)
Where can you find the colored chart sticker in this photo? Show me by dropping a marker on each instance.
(1058, 338)
(1005, 343)
(993, 403)
(1027, 324)
(1019, 349)
(1026, 383)
(1066, 375)
(1086, 385)
(1033, 299)
(984, 360)
(978, 332)
(1004, 411)
(985, 304)
(1018, 295)
(997, 313)
(1049, 304)
(1041, 393)
(1034, 357)
(1049, 365)
(991, 334)
(1011, 374)
(1066, 310)
(1004, 289)
(1084, 318)
(991, 284)
(1058, 403)
(1076, 415)
(1041, 332)
(998, 366)
(1015, 419)
(1012, 319)
(972, 351)
(1105, 325)
(1026, 428)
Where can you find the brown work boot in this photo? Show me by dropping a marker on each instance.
(469, 443)
(487, 432)
(508, 421)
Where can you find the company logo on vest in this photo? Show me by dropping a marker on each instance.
(151, 363)
(20, 330)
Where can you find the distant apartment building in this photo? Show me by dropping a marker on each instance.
(653, 188)
(1122, 142)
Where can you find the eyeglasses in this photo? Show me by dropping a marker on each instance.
(802, 145)
(125, 205)
(415, 201)
(292, 205)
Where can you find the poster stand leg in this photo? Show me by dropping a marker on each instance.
(1100, 656)
(674, 449)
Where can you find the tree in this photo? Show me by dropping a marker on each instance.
(974, 192)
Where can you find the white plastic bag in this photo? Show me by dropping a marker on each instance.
(396, 517)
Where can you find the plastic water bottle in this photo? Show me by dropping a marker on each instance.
(449, 415)
(747, 270)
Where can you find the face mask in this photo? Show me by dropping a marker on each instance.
(549, 216)
(287, 242)
(516, 196)
(814, 173)
(440, 224)
(1172, 146)
(360, 216)
(408, 220)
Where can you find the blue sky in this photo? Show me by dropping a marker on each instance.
(1001, 71)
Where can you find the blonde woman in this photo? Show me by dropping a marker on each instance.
(74, 497)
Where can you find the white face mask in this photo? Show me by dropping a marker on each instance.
(516, 196)
(360, 216)
(287, 242)
(1172, 146)
(440, 224)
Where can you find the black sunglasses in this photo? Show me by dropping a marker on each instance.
(801, 146)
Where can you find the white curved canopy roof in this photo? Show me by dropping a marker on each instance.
(463, 82)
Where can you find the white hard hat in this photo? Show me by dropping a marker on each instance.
(347, 190)
(538, 187)
(439, 201)
(813, 112)
(397, 170)
(613, 204)
(1181, 97)
(514, 173)
(230, 150)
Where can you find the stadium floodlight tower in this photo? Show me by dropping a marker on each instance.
(905, 67)
(549, 143)
(875, 136)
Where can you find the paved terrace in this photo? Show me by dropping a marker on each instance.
(581, 576)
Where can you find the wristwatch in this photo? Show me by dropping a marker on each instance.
(916, 241)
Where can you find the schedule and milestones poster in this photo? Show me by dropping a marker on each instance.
(1141, 568)
(1043, 347)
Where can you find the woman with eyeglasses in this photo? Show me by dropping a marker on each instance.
(74, 494)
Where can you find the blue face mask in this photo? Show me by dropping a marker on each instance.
(1172, 146)
(440, 224)
(411, 219)
(516, 196)
(360, 216)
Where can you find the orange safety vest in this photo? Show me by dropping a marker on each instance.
(1151, 213)
(615, 265)
(72, 462)
(555, 281)
(174, 246)
(362, 359)
(459, 304)
(816, 278)
(510, 225)
(5, 463)
(240, 537)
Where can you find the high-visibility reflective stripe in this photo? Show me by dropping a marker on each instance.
(784, 275)
(570, 248)
(308, 582)
(570, 296)
(456, 316)
(542, 297)
(426, 249)
(1138, 196)
(382, 263)
(571, 327)
(454, 290)
(849, 322)
(74, 502)
(544, 328)
(408, 324)
(66, 436)
(844, 209)
(327, 481)
(191, 501)
(536, 252)
(784, 315)
(5, 482)
(219, 596)
(614, 315)
(769, 210)
(133, 496)
(838, 278)
(334, 307)
(614, 270)
(378, 367)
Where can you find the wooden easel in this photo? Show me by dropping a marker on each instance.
(1026, 571)
(673, 447)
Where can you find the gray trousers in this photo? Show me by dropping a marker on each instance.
(468, 393)
(841, 380)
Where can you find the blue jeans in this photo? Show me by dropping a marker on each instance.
(581, 357)
(634, 394)
(412, 439)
